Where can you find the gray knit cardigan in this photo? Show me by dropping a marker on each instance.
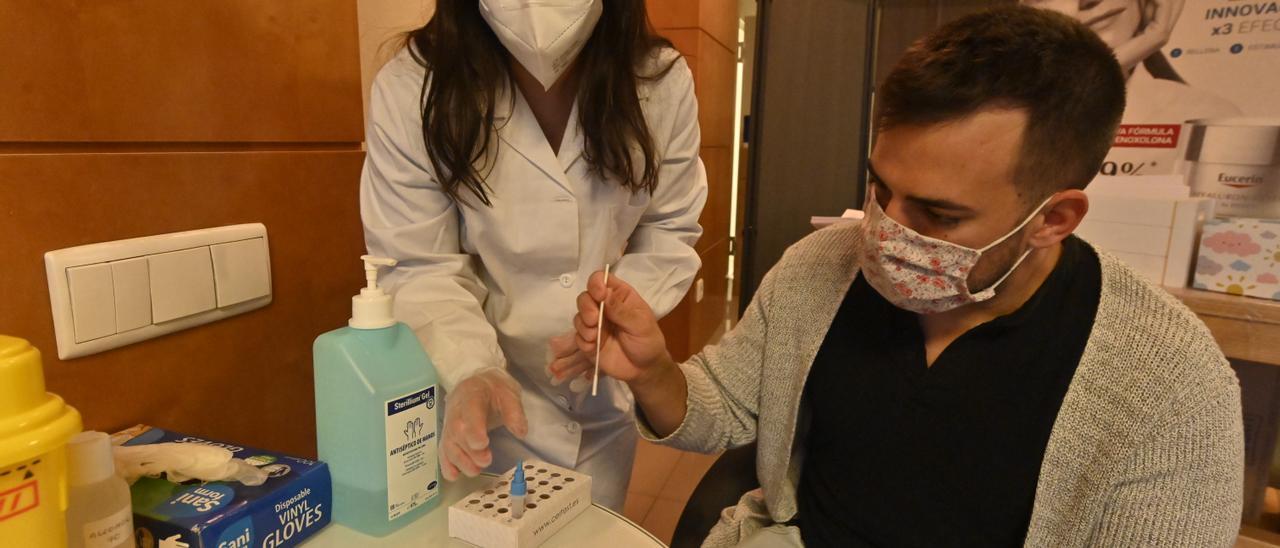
(1147, 448)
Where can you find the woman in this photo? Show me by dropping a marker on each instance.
(514, 147)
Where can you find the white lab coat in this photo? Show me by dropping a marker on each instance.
(488, 286)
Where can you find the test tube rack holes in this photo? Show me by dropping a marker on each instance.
(555, 497)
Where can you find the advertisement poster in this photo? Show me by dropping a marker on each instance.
(1203, 60)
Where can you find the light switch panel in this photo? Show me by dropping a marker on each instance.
(93, 304)
(241, 271)
(133, 294)
(112, 294)
(181, 284)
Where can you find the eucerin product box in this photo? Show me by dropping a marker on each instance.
(292, 505)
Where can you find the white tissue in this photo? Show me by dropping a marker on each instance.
(185, 461)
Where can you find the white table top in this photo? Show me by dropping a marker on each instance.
(596, 526)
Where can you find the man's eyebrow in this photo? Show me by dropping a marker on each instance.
(935, 203)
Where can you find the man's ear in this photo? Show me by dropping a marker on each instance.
(1061, 217)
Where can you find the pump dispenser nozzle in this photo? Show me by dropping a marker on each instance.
(371, 309)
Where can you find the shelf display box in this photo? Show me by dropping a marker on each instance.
(1240, 256)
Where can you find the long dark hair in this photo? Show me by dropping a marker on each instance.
(466, 64)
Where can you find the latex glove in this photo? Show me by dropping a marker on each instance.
(633, 344)
(180, 462)
(174, 541)
(464, 447)
(566, 362)
(1161, 16)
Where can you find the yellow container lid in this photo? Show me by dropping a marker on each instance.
(32, 421)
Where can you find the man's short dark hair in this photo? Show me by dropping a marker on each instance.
(1064, 76)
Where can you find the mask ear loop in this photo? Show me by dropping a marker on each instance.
(1025, 254)
(1020, 226)
(1012, 269)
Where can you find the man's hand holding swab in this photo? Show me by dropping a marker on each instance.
(595, 377)
(631, 344)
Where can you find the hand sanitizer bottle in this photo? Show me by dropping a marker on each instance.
(377, 425)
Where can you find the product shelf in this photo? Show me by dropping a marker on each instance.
(1246, 328)
(1257, 537)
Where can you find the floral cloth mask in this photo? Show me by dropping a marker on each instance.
(921, 274)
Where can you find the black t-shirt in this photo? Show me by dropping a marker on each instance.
(901, 454)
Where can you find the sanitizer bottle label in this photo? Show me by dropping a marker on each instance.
(411, 451)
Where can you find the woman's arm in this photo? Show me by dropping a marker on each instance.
(660, 260)
(408, 217)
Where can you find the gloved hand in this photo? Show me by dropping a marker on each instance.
(566, 362)
(464, 447)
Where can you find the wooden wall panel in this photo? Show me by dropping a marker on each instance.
(719, 18)
(692, 324)
(715, 216)
(677, 328)
(196, 70)
(673, 14)
(714, 72)
(708, 316)
(246, 379)
(715, 79)
(706, 32)
(686, 41)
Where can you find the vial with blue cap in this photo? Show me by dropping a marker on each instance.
(518, 491)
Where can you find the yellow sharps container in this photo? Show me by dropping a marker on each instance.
(34, 428)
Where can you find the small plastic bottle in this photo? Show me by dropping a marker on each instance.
(99, 509)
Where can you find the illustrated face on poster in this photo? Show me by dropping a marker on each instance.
(1117, 22)
(1184, 60)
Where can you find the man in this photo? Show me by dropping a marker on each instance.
(957, 369)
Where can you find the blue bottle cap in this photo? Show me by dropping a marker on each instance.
(518, 488)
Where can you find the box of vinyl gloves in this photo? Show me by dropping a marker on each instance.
(294, 502)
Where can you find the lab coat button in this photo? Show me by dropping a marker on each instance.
(564, 402)
(566, 280)
(572, 427)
